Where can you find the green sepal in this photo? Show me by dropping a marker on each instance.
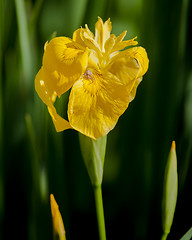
(93, 152)
(169, 191)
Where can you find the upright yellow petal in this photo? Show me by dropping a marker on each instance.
(96, 102)
(119, 45)
(58, 225)
(65, 60)
(90, 41)
(107, 27)
(77, 37)
(109, 44)
(102, 32)
(99, 32)
(90, 34)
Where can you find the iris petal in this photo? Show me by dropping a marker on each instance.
(137, 53)
(134, 89)
(133, 62)
(77, 37)
(48, 96)
(102, 32)
(90, 42)
(125, 68)
(141, 56)
(96, 101)
(60, 123)
(107, 30)
(42, 88)
(129, 66)
(65, 61)
(119, 45)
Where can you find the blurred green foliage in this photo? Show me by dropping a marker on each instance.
(36, 161)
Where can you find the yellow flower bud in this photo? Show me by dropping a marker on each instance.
(169, 192)
(58, 226)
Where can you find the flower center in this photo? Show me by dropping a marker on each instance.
(90, 82)
(88, 75)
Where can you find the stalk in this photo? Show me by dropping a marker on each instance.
(100, 212)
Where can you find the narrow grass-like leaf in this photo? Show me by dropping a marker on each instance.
(24, 41)
(35, 13)
(39, 173)
(34, 154)
(1, 78)
(1, 112)
(76, 17)
(188, 235)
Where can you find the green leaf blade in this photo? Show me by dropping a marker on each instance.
(188, 235)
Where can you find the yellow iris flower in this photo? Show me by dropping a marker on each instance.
(103, 79)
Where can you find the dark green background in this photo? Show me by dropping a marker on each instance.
(37, 161)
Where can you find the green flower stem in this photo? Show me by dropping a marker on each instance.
(93, 153)
(164, 237)
(100, 212)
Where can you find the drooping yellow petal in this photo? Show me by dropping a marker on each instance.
(45, 92)
(65, 60)
(48, 96)
(129, 64)
(141, 56)
(134, 89)
(125, 68)
(58, 225)
(96, 102)
(60, 123)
